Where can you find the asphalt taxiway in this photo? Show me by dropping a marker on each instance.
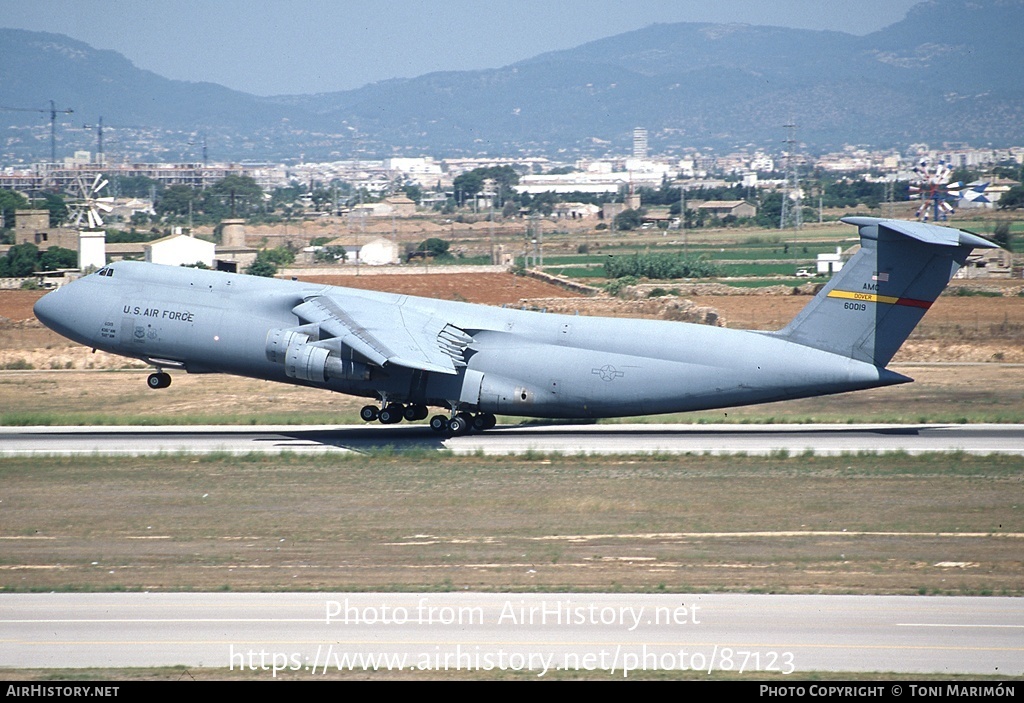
(570, 439)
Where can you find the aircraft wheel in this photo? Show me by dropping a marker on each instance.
(460, 424)
(439, 423)
(484, 421)
(392, 414)
(158, 380)
(414, 413)
(369, 413)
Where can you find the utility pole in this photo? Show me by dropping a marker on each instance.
(489, 186)
(682, 218)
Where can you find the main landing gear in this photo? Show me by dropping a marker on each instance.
(458, 424)
(463, 423)
(158, 380)
(393, 413)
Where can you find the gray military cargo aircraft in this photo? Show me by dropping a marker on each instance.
(476, 361)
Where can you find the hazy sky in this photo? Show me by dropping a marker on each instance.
(270, 47)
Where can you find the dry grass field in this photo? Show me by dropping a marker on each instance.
(386, 521)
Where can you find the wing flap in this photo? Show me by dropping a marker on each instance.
(388, 333)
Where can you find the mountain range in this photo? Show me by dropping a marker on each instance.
(948, 72)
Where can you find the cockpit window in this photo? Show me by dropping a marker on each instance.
(105, 271)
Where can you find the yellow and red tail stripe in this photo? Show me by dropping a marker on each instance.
(876, 298)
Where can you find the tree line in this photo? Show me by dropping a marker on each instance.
(23, 260)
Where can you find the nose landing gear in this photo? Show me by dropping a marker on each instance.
(158, 380)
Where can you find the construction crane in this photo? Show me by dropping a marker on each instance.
(53, 123)
(100, 158)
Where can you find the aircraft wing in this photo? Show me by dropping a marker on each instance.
(388, 333)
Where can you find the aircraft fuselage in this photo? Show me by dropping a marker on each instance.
(521, 363)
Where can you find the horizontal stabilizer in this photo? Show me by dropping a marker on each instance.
(921, 231)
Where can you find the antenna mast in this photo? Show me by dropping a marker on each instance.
(792, 207)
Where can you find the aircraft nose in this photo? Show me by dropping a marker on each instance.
(52, 311)
(45, 308)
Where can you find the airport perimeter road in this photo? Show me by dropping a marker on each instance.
(307, 634)
(566, 439)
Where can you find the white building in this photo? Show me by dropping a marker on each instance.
(573, 183)
(829, 264)
(371, 252)
(92, 249)
(422, 170)
(180, 249)
(762, 162)
(685, 168)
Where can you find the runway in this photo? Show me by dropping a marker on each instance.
(570, 439)
(311, 634)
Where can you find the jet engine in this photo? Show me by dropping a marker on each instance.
(314, 361)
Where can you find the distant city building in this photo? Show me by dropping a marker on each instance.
(724, 208)
(596, 166)
(395, 206)
(574, 211)
(648, 174)
(609, 211)
(81, 158)
(647, 169)
(686, 168)
(65, 177)
(400, 206)
(640, 143)
(423, 171)
(762, 162)
(124, 208)
(573, 183)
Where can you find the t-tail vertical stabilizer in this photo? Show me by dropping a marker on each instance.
(873, 304)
